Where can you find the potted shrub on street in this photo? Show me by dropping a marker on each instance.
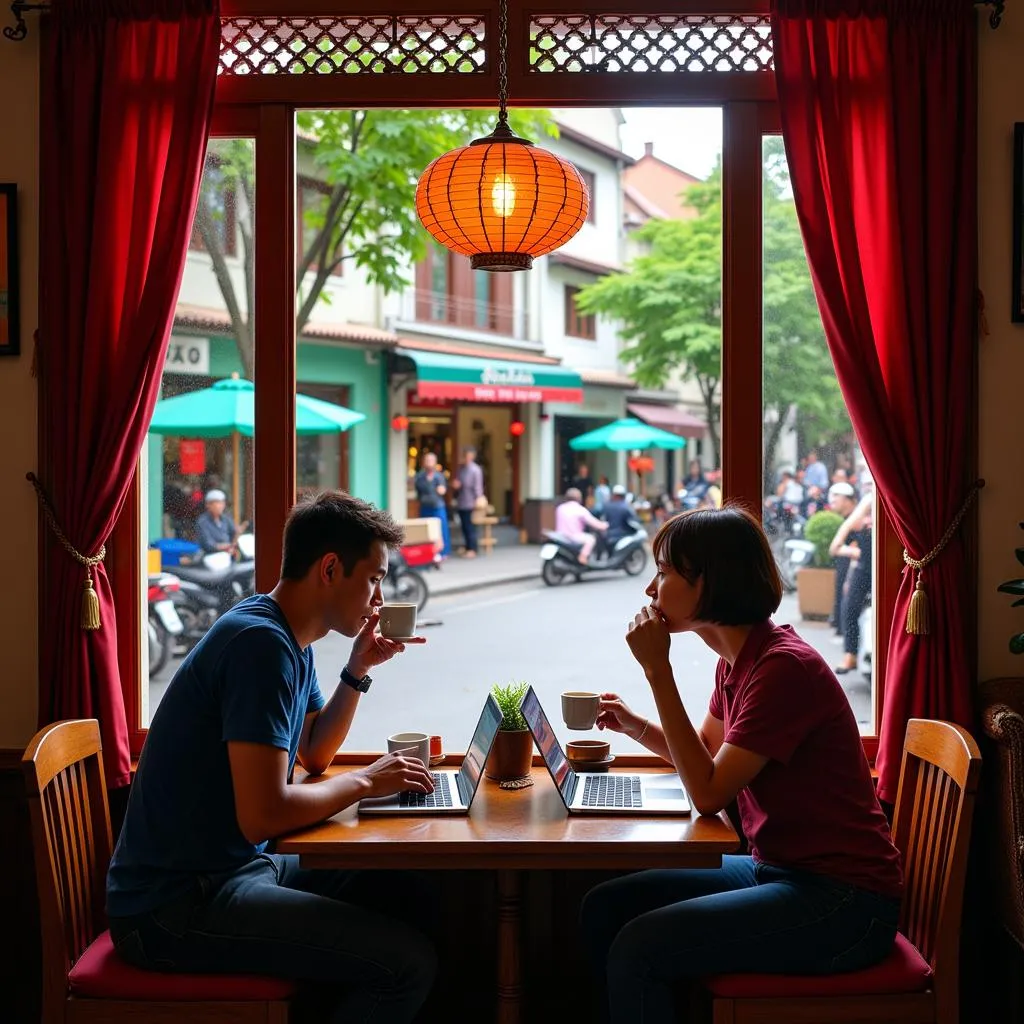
(816, 584)
(512, 752)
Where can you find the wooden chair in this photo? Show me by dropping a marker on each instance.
(84, 980)
(486, 519)
(918, 983)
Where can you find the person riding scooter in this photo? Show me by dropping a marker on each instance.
(621, 520)
(572, 519)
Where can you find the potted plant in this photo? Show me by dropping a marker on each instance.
(512, 753)
(816, 583)
(1016, 588)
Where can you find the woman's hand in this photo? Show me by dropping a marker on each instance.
(648, 638)
(613, 714)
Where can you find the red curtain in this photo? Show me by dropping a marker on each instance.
(127, 91)
(878, 102)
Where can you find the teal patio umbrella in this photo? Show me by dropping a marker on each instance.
(626, 435)
(226, 409)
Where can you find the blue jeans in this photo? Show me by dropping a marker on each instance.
(272, 918)
(468, 528)
(649, 932)
(442, 514)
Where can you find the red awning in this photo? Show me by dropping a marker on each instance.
(668, 418)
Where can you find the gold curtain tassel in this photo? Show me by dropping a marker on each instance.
(90, 606)
(917, 613)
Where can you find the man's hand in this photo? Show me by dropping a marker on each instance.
(394, 773)
(371, 649)
(648, 638)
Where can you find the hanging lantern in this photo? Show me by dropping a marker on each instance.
(399, 422)
(501, 200)
(517, 428)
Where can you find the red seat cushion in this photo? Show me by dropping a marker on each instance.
(903, 970)
(101, 974)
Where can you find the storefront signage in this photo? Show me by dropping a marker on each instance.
(188, 355)
(483, 393)
(500, 375)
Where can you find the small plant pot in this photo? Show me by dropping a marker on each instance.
(815, 592)
(511, 755)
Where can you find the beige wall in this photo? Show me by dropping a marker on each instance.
(1001, 384)
(1002, 351)
(19, 162)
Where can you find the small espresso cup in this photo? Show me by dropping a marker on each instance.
(413, 744)
(398, 621)
(579, 708)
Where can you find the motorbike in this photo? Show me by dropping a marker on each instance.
(404, 581)
(560, 557)
(212, 586)
(164, 625)
(784, 527)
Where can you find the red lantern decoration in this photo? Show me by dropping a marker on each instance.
(399, 422)
(641, 463)
(517, 428)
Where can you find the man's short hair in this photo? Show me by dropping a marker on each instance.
(727, 548)
(333, 522)
(574, 494)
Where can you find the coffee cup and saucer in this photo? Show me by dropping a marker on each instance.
(398, 622)
(589, 755)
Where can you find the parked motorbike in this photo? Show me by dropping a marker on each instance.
(560, 557)
(784, 528)
(404, 582)
(164, 625)
(212, 586)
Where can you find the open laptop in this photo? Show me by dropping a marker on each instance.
(607, 792)
(454, 789)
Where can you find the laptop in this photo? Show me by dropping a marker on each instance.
(607, 792)
(454, 789)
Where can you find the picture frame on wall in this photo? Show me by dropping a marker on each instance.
(1017, 313)
(10, 339)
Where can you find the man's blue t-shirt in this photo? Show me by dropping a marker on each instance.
(246, 680)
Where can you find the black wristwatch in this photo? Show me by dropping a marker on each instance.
(362, 685)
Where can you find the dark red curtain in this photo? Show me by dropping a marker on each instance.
(127, 89)
(878, 103)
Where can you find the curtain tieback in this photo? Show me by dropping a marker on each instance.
(90, 600)
(917, 613)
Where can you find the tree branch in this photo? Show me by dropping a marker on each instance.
(323, 271)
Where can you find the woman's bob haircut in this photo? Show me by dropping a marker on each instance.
(727, 549)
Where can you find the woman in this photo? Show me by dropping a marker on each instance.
(853, 542)
(820, 890)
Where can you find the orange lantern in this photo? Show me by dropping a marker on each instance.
(517, 428)
(399, 422)
(501, 201)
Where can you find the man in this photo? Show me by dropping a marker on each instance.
(842, 499)
(619, 519)
(469, 485)
(583, 483)
(572, 518)
(191, 887)
(215, 529)
(431, 487)
(815, 472)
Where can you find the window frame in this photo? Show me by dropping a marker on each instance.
(263, 107)
(590, 179)
(581, 326)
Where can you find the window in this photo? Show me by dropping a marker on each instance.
(578, 325)
(590, 180)
(449, 291)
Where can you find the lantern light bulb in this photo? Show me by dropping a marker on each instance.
(503, 195)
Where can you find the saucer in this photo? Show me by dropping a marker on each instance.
(436, 759)
(399, 639)
(591, 766)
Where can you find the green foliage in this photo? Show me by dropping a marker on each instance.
(508, 698)
(1016, 588)
(820, 531)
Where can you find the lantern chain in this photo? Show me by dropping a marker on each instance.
(503, 62)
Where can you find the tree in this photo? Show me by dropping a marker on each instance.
(668, 305)
(368, 162)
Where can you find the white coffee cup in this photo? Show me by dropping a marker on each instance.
(412, 744)
(579, 708)
(398, 620)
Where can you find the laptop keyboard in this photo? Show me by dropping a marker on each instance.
(441, 797)
(612, 791)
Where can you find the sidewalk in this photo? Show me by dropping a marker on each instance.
(508, 562)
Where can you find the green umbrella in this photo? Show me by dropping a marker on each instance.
(226, 409)
(625, 435)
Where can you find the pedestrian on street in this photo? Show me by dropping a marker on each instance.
(431, 489)
(469, 488)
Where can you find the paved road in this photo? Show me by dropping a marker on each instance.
(564, 638)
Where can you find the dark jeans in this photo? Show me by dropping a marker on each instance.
(842, 567)
(649, 932)
(858, 589)
(326, 927)
(468, 528)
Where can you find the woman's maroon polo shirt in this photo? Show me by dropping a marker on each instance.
(812, 807)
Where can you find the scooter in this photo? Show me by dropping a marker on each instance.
(560, 557)
(164, 625)
(209, 589)
(403, 582)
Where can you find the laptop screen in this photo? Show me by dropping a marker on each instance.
(479, 747)
(547, 743)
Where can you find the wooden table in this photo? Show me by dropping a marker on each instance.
(510, 831)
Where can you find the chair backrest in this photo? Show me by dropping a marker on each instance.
(67, 797)
(932, 829)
